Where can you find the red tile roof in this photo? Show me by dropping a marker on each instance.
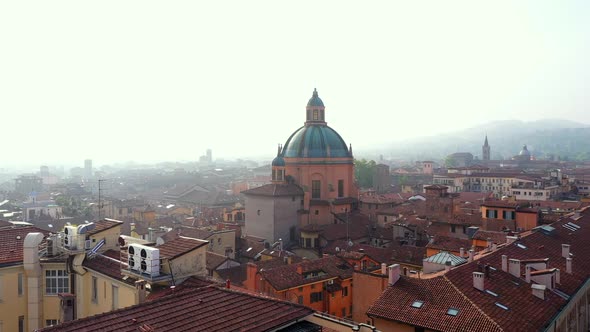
(285, 277)
(449, 243)
(525, 312)
(108, 264)
(391, 255)
(275, 190)
(438, 296)
(198, 309)
(11, 243)
(496, 237)
(179, 246)
(102, 225)
(213, 260)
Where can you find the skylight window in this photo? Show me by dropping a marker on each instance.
(491, 293)
(452, 312)
(521, 246)
(501, 305)
(417, 304)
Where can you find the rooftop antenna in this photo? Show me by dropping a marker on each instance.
(100, 204)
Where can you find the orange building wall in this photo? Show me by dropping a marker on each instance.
(526, 221)
(328, 174)
(367, 288)
(330, 304)
(386, 325)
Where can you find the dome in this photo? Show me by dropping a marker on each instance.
(315, 100)
(315, 141)
(278, 161)
(524, 152)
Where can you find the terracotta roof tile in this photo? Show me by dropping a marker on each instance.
(438, 296)
(108, 264)
(285, 277)
(448, 243)
(275, 190)
(102, 225)
(179, 246)
(205, 309)
(11, 243)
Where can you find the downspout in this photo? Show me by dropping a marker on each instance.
(32, 266)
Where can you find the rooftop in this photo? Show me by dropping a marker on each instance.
(179, 246)
(286, 276)
(275, 190)
(204, 308)
(11, 243)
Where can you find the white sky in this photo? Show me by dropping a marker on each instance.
(147, 81)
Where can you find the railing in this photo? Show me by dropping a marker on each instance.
(147, 269)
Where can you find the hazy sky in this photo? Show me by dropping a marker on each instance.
(146, 81)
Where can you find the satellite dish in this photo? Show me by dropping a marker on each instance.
(350, 243)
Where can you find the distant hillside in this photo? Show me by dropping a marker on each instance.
(567, 139)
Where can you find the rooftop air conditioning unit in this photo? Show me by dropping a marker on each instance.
(150, 261)
(133, 259)
(70, 237)
(52, 248)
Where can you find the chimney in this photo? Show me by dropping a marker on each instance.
(394, 273)
(504, 263)
(568, 265)
(228, 284)
(470, 255)
(528, 274)
(489, 243)
(510, 239)
(141, 292)
(565, 250)
(299, 269)
(448, 266)
(494, 247)
(462, 252)
(539, 290)
(383, 268)
(514, 267)
(558, 276)
(478, 281)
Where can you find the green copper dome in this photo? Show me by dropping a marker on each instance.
(315, 141)
(315, 100)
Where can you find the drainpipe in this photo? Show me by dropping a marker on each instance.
(32, 268)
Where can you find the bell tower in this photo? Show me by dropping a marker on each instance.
(485, 150)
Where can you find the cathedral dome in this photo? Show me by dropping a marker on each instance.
(524, 152)
(316, 141)
(278, 161)
(315, 100)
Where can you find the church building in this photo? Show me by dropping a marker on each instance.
(312, 179)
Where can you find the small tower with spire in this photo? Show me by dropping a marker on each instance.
(485, 150)
(278, 167)
(315, 110)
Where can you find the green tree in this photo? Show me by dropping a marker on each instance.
(450, 162)
(363, 171)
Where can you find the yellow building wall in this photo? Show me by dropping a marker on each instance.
(11, 304)
(111, 236)
(51, 303)
(219, 241)
(104, 296)
(189, 264)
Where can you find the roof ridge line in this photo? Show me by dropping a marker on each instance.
(472, 303)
